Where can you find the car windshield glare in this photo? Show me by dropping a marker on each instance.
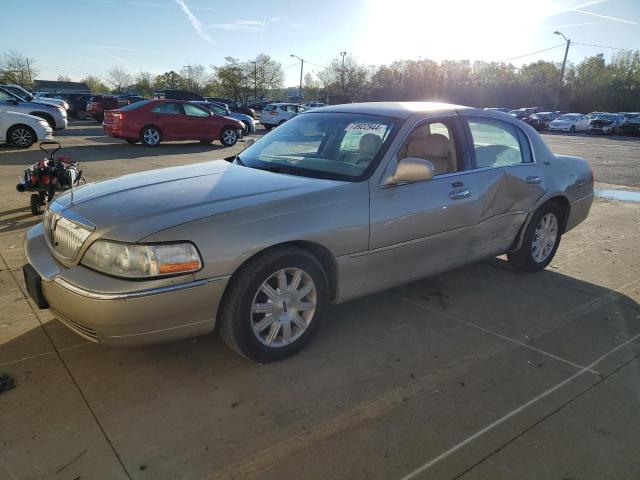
(339, 146)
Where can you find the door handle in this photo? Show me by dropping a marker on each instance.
(459, 194)
(535, 180)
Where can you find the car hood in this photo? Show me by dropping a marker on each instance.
(18, 116)
(135, 206)
(561, 122)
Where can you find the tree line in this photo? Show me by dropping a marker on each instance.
(592, 84)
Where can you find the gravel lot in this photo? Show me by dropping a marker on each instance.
(479, 373)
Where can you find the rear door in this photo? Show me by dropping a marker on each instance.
(170, 117)
(506, 172)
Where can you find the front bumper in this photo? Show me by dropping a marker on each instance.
(124, 312)
(564, 128)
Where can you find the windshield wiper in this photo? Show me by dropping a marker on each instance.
(270, 169)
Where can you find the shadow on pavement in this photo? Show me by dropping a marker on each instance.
(437, 331)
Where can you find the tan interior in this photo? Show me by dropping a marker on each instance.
(435, 147)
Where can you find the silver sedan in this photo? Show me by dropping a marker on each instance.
(334, 204)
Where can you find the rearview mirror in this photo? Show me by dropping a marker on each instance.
(411, 170)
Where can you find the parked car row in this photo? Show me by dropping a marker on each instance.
(625, 123)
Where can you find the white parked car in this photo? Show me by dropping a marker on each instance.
(570, 122)
(22, 130)
(310, 105)
(29, 97)
(276, 114)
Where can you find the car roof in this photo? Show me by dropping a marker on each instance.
(393, 109)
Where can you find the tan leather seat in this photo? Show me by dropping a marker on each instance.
(370, 144)
(434, 147)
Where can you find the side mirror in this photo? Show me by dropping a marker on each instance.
(249, 141)
(411, 170)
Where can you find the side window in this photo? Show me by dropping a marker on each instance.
(292, 109)
(434, 142)
(496, 143)
(194, 111)
(4, 96)
(170, 108)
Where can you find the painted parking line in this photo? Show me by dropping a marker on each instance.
(494, 333)
(512, 413)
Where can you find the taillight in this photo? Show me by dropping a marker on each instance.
(273, 112)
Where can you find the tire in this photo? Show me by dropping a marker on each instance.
(21, 136)
(281, 122)
(247, 128)
(267, 127)
(525, 258)
(572, 129)
(35, 204)
(238, 325)
(47, 117)
(228, 137)
(132, 141)
(79, 113)
(151, 136)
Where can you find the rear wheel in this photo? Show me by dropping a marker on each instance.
(572, 129)
(228, 137)
(151, 136)
(267, 127)
(541, 239)
(274, 304)
(21, 136)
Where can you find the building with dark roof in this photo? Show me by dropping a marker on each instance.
(63, 87)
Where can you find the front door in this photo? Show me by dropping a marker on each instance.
(418, 229)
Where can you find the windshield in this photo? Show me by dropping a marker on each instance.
(339, 146)
(611, 118)
(23, 94)
(568, 117)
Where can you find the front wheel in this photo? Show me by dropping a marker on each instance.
(541, 239)
(274, 304)
(36, 204)
(572, 129)
(228, 137)
(21, 136)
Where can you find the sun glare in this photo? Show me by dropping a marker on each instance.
(487, 29)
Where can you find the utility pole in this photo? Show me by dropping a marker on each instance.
(564, 64)
(255, 81)
(343, 55)
(301, 69)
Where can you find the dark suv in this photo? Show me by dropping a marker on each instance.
(98, 104)
(232, 105)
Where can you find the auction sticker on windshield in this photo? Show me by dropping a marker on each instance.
(367, 127)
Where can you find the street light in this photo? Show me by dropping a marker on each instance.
(564, 63)
(342, 54)
(301, 68)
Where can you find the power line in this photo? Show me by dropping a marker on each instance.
(601, 46)
(532, 53)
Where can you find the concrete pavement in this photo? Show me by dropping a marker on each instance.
(479, 373)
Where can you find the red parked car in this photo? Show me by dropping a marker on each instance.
(98, 104)
(152, 121)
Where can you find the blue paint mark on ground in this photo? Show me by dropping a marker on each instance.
(622, 195)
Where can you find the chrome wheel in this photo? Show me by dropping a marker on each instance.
(544, 237)
(229, 137)
(283, 307)
(151, 136)
(22, 137)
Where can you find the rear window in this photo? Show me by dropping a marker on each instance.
(268, 108)
(133, 106)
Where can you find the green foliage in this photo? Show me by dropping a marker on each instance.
(95, 84)
(171, 79)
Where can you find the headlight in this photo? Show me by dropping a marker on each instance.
(132, 260)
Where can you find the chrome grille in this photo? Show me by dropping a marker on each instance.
(64, 235)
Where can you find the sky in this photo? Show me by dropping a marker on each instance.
(81, 37)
